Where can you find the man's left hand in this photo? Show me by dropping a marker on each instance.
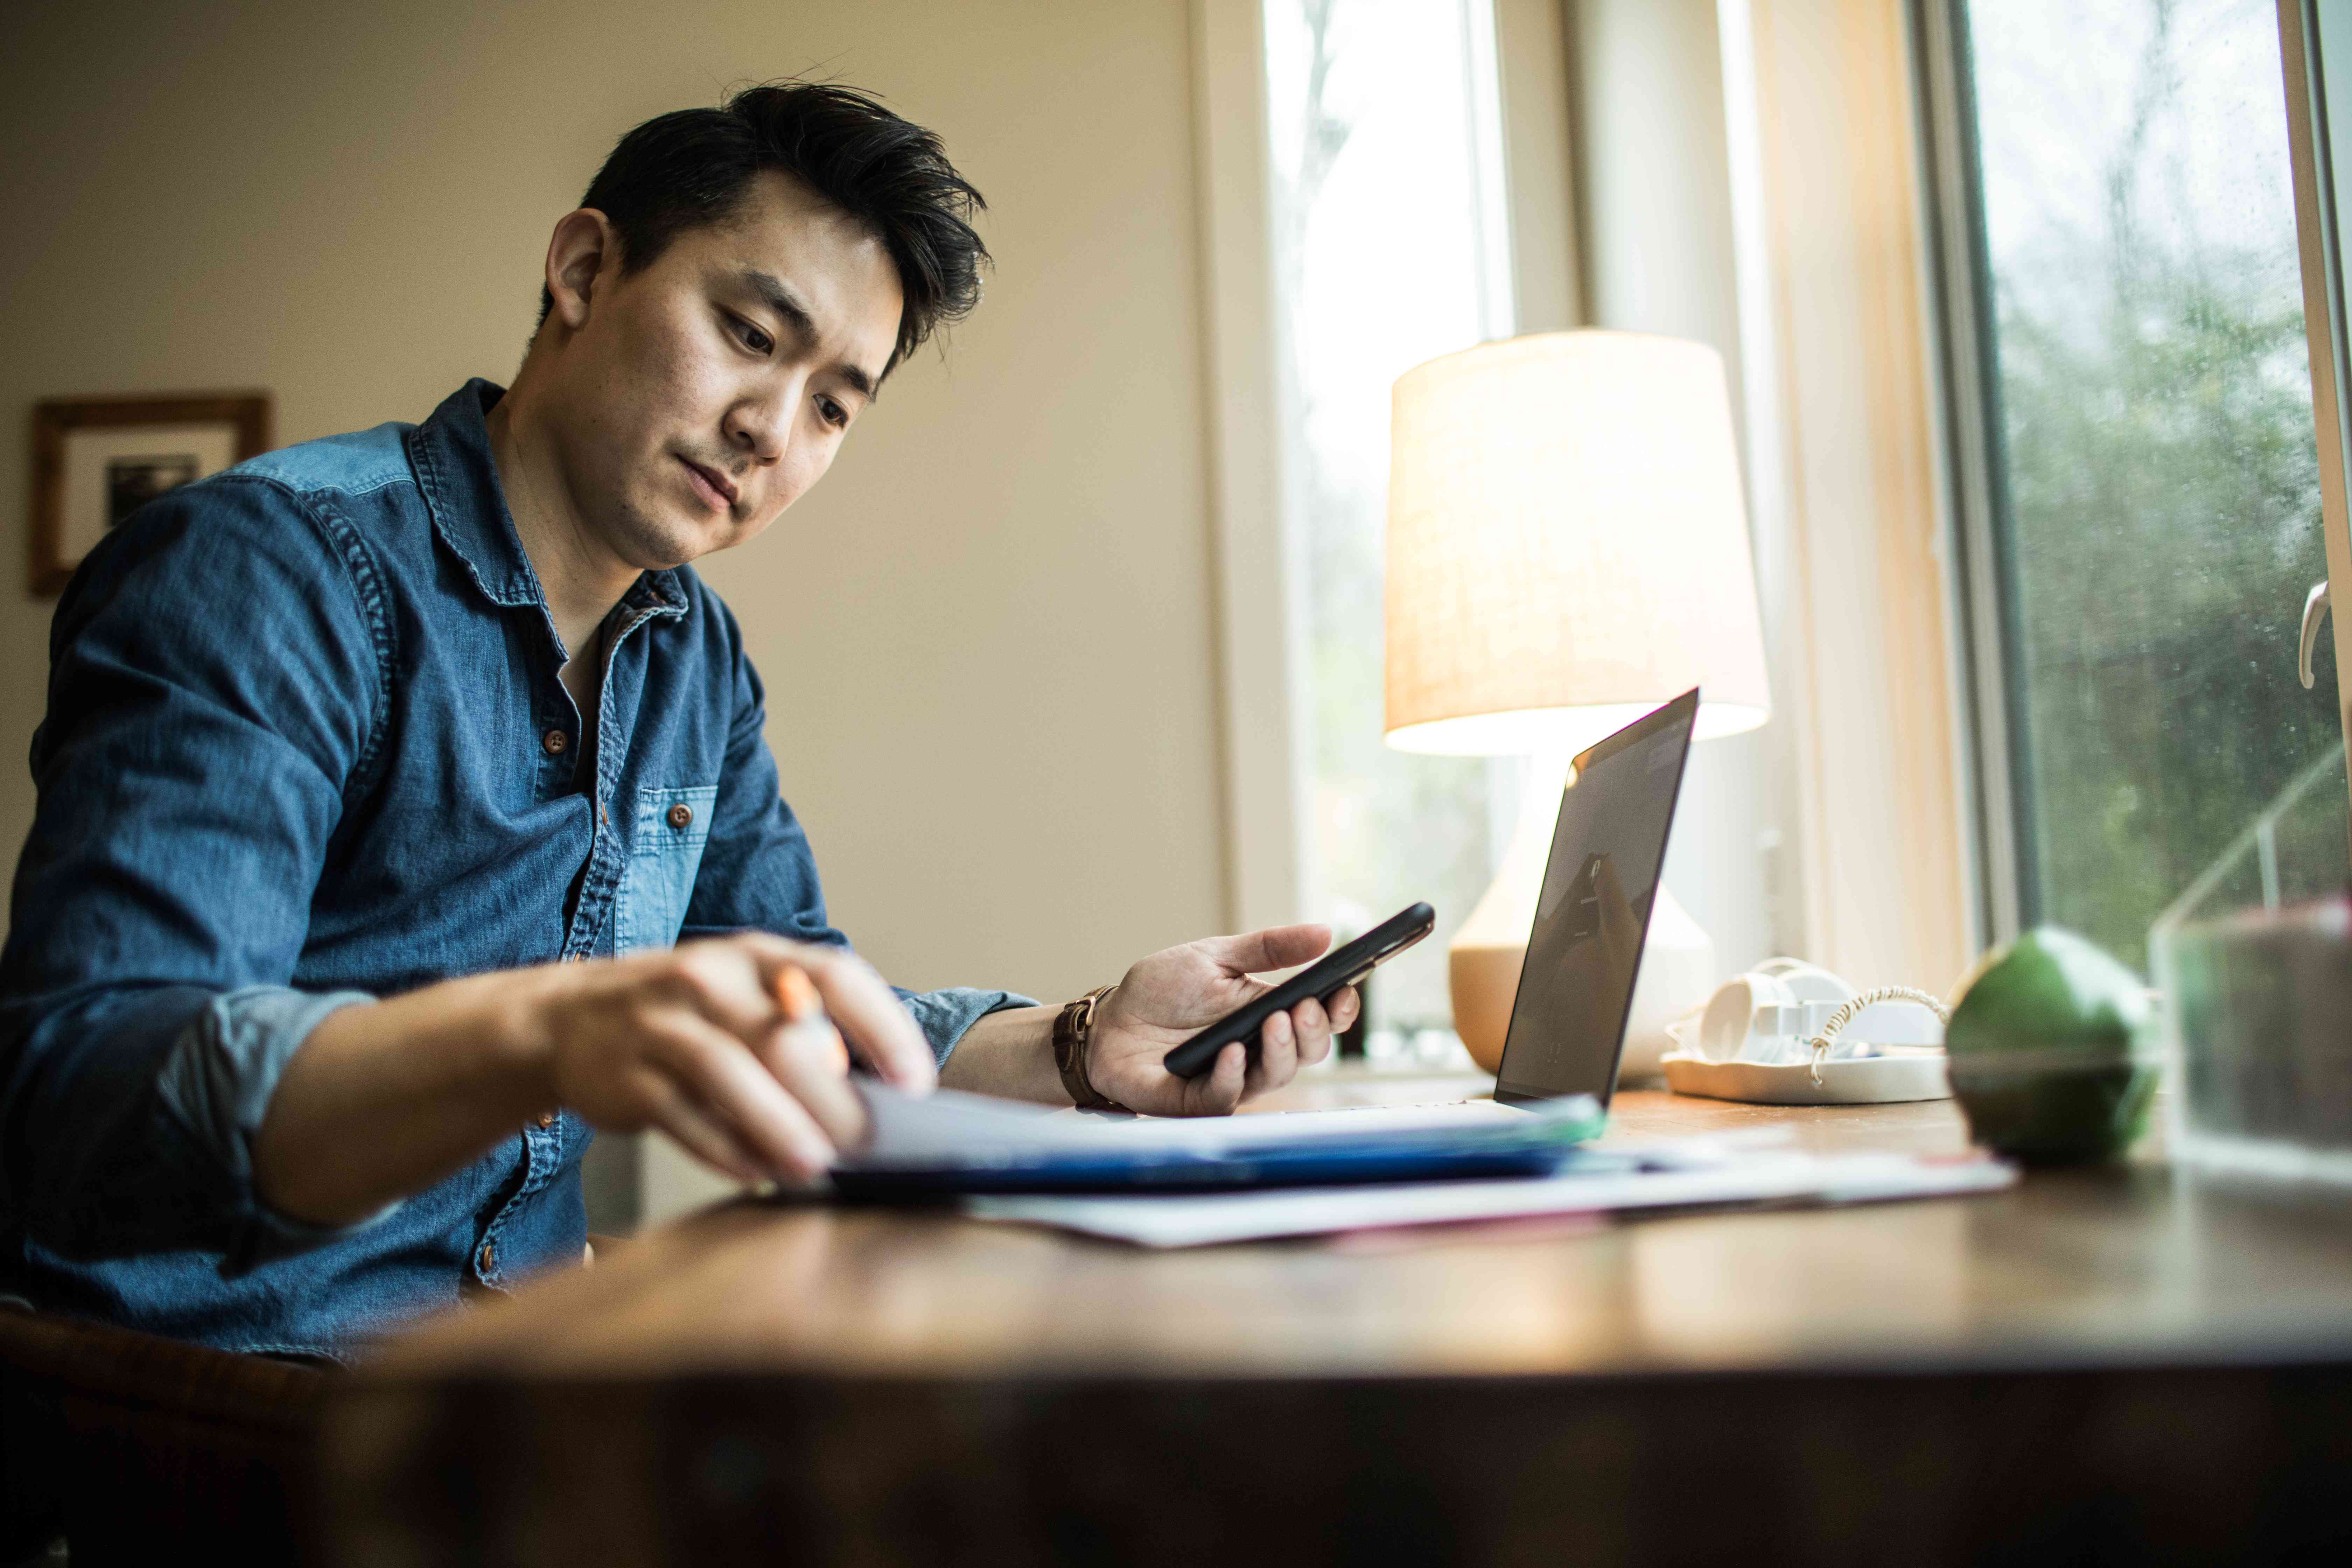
(1173, 995)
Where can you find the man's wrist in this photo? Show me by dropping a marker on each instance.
(1073, 1040)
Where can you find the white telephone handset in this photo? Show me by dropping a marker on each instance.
(1790, 1033)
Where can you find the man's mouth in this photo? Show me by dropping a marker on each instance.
(718, 491)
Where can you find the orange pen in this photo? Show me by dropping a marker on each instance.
(796, 998)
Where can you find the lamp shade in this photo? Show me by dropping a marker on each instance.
(1567, 546)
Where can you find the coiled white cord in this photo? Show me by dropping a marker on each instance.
(1846, 1015)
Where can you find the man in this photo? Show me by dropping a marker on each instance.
(380, 776)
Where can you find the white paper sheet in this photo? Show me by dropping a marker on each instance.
(1715, 1177)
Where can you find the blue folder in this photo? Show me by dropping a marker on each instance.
(949, 1143)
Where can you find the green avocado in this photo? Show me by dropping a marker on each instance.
(2046, 1051)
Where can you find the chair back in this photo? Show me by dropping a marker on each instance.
(138, 1447)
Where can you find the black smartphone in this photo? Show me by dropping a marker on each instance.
(1323, 979)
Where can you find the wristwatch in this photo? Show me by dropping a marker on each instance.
(1073, 1030)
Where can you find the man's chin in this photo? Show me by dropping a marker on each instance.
(660, 545)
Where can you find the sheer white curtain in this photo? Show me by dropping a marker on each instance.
(1827, 149)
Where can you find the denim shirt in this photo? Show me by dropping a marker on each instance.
(305, 746)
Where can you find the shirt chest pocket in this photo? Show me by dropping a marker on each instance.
(672, 827)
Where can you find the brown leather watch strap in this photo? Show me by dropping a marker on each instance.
(1073, 1030)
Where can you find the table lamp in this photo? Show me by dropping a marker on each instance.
(1567, 549)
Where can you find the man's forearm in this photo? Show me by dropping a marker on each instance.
(699, 1040)
(1009, 1053)
(382, 1100)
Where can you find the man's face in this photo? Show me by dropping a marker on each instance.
(698, 398)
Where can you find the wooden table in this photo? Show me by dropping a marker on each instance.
(2124, 1364)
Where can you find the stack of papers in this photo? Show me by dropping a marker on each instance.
(1192, 1183)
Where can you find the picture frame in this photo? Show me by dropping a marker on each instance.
(97, 459)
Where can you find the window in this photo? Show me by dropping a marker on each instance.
(2150, 517)
(1390, 249)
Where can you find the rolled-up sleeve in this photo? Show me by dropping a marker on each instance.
(217, 674)
(759, 874)
(944, 1016)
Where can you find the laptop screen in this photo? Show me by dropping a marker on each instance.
(1585, 952)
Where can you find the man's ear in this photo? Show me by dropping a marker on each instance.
(582, 249)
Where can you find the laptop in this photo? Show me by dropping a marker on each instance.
(1559, 1056)
(1567, 1032)
(1592, 918)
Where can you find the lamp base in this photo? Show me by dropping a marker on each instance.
(1484, 961)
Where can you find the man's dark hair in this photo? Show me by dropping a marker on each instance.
(692, 169)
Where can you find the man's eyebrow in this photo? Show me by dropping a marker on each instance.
(778, 295)
(859, 381)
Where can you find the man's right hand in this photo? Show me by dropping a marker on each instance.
(693, 1041)
(384, 1099)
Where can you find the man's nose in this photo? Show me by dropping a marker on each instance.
(757, 428)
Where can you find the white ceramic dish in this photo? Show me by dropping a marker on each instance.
(1899, 1073)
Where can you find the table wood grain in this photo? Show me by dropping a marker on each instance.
(2091, 1324)
(2095, 1265)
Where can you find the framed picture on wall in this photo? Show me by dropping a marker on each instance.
(96, 460)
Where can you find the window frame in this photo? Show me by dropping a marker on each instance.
(2319, 236)
(1995, 766)
(1266, 769)
(1259, 629)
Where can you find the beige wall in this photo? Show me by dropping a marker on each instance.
(988, 636)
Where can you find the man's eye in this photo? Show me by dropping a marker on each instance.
(758, 341)
(833, 413)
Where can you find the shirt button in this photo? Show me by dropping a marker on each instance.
(555, 741)
(489, 1257)
(546, 1119)
(681, 815)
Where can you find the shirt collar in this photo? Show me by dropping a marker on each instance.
(451, 453)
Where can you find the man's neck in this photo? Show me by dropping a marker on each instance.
(582, 581)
